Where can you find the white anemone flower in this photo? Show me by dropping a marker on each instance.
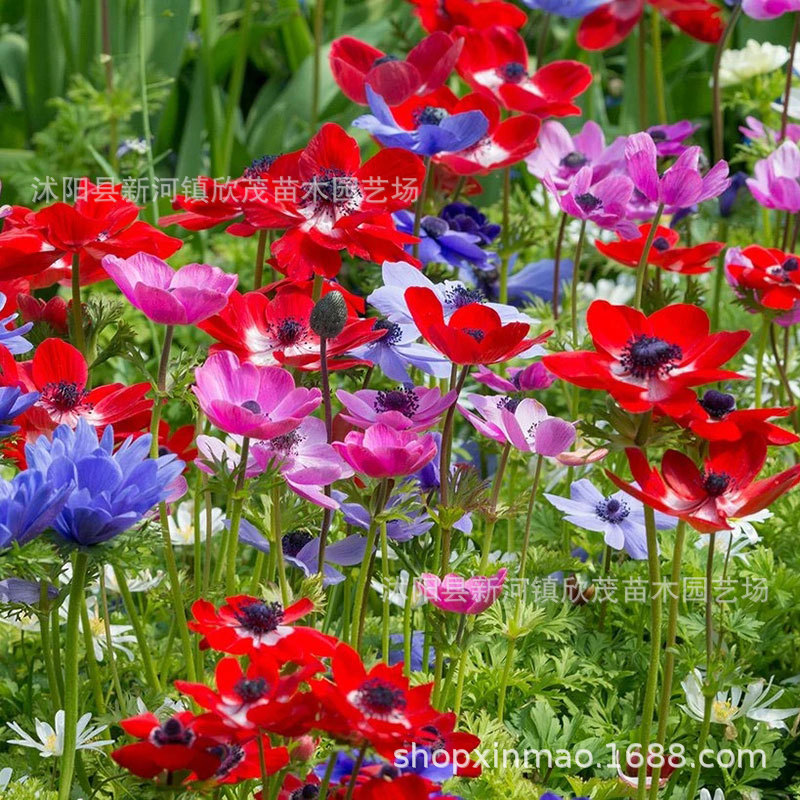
(755, 58)
(51, 740)
(20, 620)
(181, 524)
(618, 292)
(742, 535)
(120, 634)
(728, 706)
(142, 581)
(706, 795)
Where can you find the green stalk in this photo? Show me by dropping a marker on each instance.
(112, 662)
(236, 518)
(789, 75)
(385, 578)
(498, 479)
(208, 15)
(161, 386)
(669, 647)
(557, 262)
(277, 543)
(654, 570)
(326, 778)
(641, 39)
(641, 270)
(716, 89)
(658, 66)
(319, 20)
(76, 600)
(148, 136)
(576, 274)
(421, 201)
(47, 645)
(506, 235)
(762, 348)
(77, 306)
(407, 633)
(91, 661)
(501, 692)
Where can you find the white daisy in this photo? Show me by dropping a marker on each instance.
(51, 740)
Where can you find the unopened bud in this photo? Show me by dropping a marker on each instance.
(329, 315)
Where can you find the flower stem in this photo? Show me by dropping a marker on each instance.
(523, 559)
(501, 692)
(148, 136)
(77, 306)
(716, 89)
(762, 348)
(641, 270)
(654, 570)
(326, 778)
(576, 274)
(407, 634)
(658, 66)
(789, 75)
(385, 578)
(47, 645)
(112, 662)
(351, 786)
(541, 45)
(709, 697)
(669, 648)
(506, 235)
(138, 630)
(498, 480)
(277, 542)
(236, 518)
(421, 202)
(76, 600)
(319, 19)
(557, 262)
(91, 661)
(261, 251)
(643, 78)
(161, 386)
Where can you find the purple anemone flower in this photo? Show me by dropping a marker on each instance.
(682, 184)
(468, 219)
(669, 139)
(301, 550)
(398, 530)
(437, 130)
(413, 408)
(29, 505)
(727, 200)
(398, 349)
(397, 656)
(618, 516)
(775, 182)
(12, 338)
(530, 379)
(17, 590)
(769, 9)
(439, 244)
(604, 202)
(560, 156)
(13, 403)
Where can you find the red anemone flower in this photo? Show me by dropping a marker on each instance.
(440, 736)
(715, 418)
(610, 24)
(101, 222)
(328, 202)
(293, 788)
(278, 331)
(260, 692)
(494, 62)
(52, 312)
(726, 488)
(242, 761)
(663, 252)
(218, 202)
(644, 361)
(771, 274)
(405, 787)
(246, 625)
(171, 746)
(180, 442)
(474, 334)
(59, 373)
(444, 15)
(378, 706)
(355, 64)
(505, 142)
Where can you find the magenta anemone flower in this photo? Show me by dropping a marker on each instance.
(528, 379)
(605, 203)
(769, 9)
(459, 596)
(682, 185)
(524, 424)
(245, 399)
(669, 138)
(561, 156)
(185, 296)
(410, 408)
(305, 459)
(775, 184)
(383, 452)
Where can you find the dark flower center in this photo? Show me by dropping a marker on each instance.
(331, 188)
(252, 405)
(289, 331)
(574, 160)
(660, 244)
(251, 689)
(658, 136)
(229, 755)
(64, 395)
(286, 442)
(716, 483)
(790, 265)
(432, 738)
(388, 58)
(650, 357)
(612, 510)
(259, 617)
(307, 792)
(393, 331)
(430, 115)
(588, 202)
(403, 400)
(513, 72)
(294, 541)
(380, 698)
(510, 403)
(476, 333)
(718, 404)
(259, 166)
(460, 296)
(389, 771)
(172, 732)
(434, 227)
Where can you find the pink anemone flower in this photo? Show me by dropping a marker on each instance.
(412, 408)
(383, 452)
(462, 596)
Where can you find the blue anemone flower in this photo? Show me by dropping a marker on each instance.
(108, 492)
(12, 339)
(468, 219)
(13, 402)
(437, 130)
(29, 505)
(567, 8)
